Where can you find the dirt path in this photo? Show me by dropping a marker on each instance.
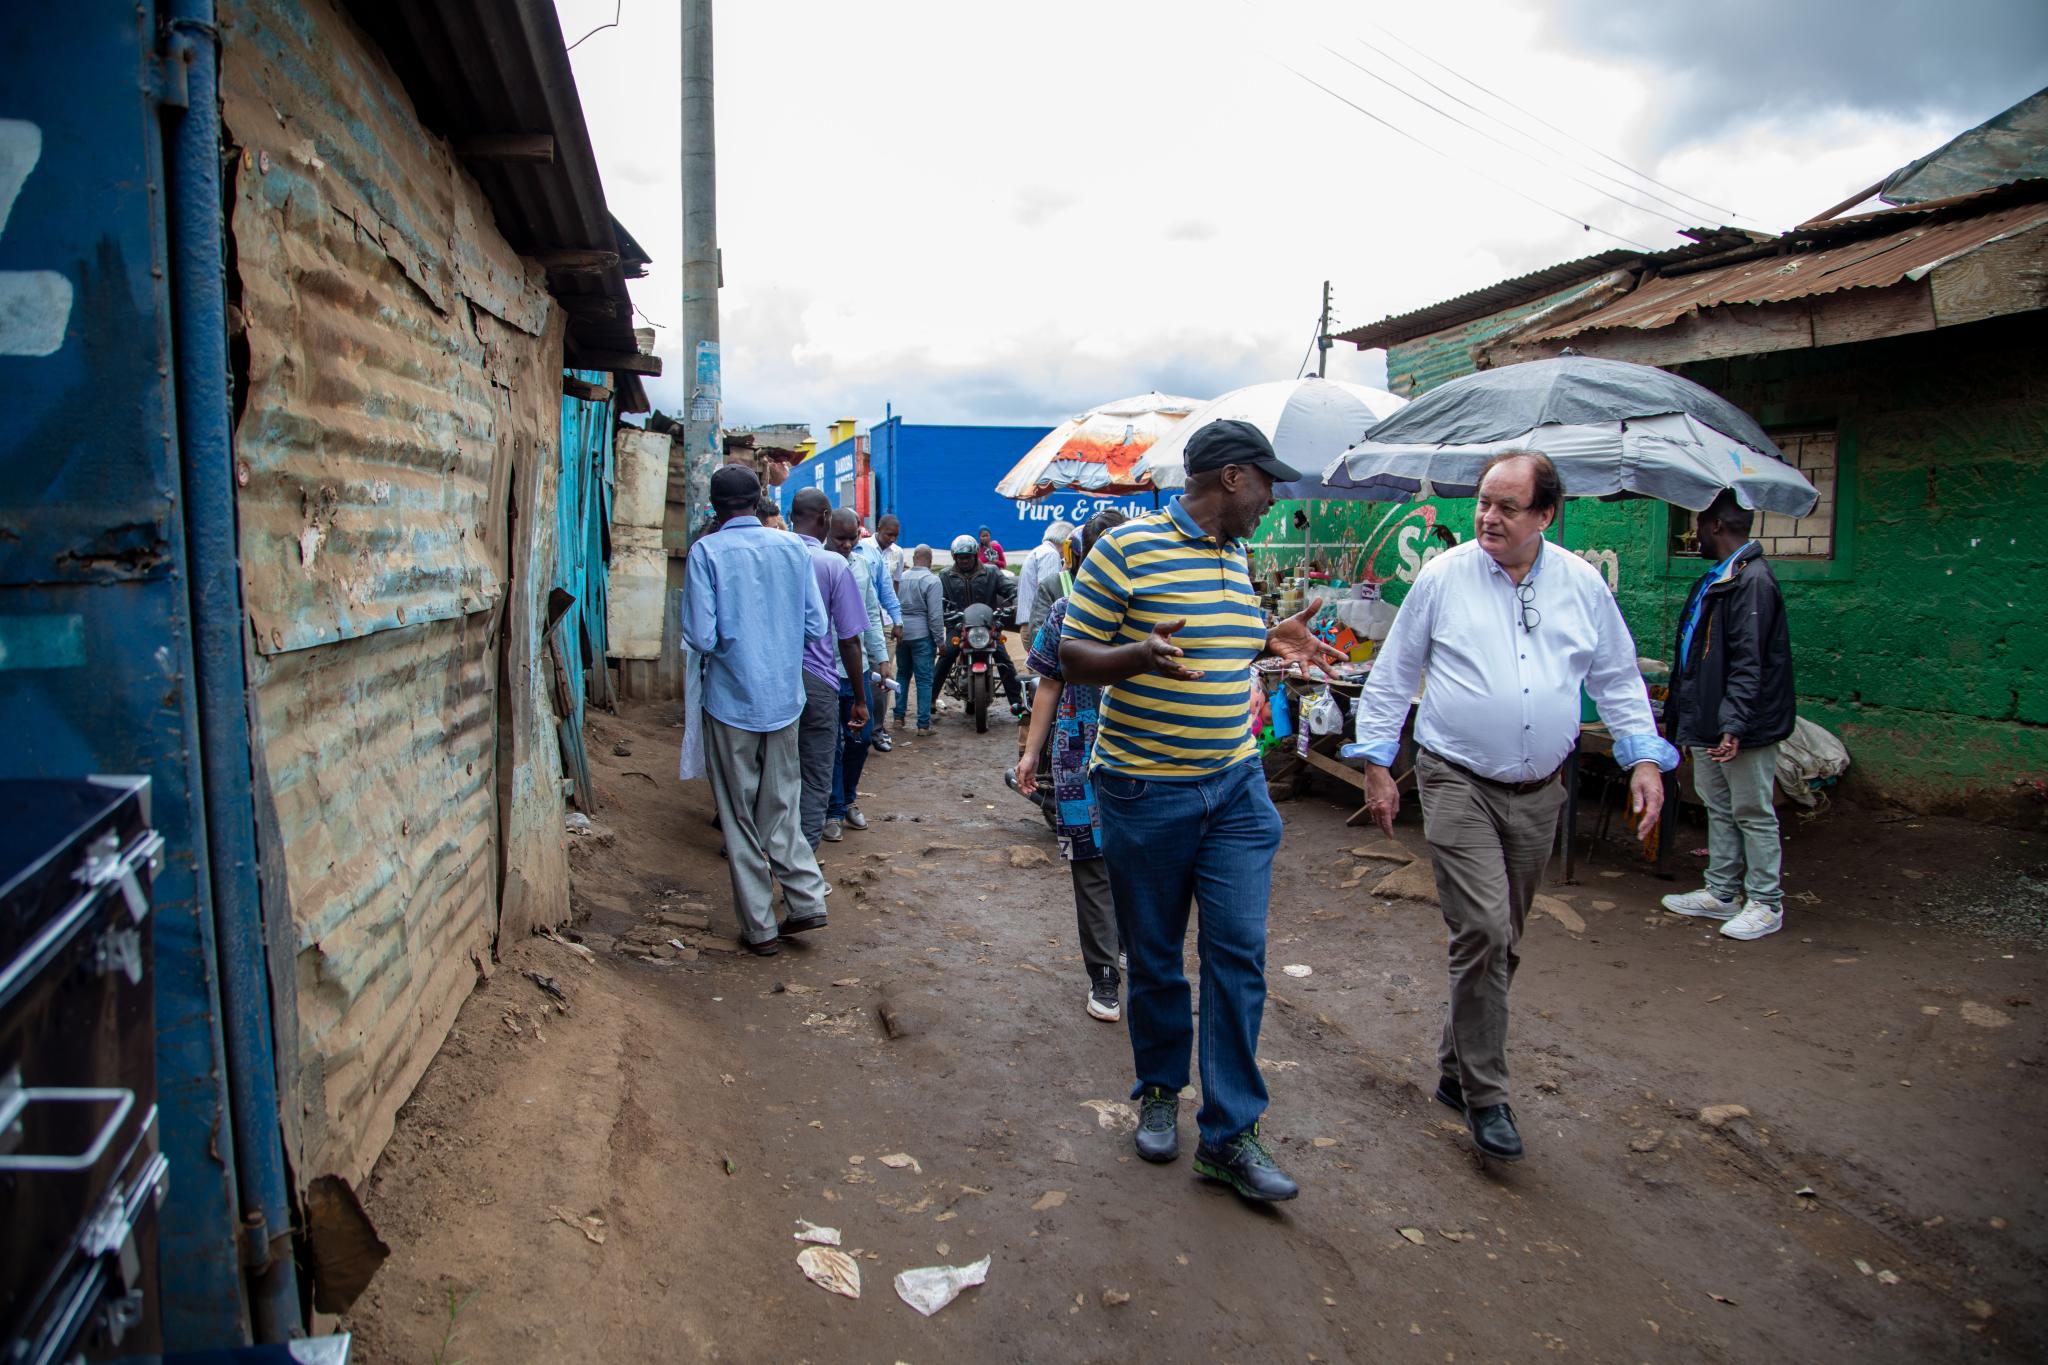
(1883, 1198)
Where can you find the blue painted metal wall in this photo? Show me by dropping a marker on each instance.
(583, 518)
(940, 482)
(95, 627)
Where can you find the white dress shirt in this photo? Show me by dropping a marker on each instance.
(1502, 699)
(1043, 560)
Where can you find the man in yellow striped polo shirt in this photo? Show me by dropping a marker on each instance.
(1164, 617)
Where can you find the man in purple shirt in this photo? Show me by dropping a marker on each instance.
(810, 513)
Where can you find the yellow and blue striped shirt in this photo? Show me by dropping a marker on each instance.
(1164, 567)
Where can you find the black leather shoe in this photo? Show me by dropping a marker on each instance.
(1158, 1135)
(1493, 1132)
(800, 924)
(767, 947)
(1450, 1092)
(1244, 1164)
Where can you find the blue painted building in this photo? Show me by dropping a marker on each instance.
(940, 482)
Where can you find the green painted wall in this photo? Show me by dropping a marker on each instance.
(1924, 643)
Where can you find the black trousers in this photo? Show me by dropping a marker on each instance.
(1005, 670)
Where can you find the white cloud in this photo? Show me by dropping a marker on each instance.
(983, 213)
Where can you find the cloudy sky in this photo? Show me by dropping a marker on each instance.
(985, 213)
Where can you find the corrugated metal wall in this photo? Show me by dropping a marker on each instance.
(402, 379)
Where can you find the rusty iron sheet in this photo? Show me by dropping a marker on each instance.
(380, 754)
(534, 876)
(1869, 263)
(365, 256)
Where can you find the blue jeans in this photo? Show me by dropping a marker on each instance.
(914, 660)
(852, 757)
(1210, 841)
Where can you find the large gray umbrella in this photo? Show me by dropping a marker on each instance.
(1614, 429)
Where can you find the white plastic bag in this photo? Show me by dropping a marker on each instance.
(1807, 755)
(930, 1288)
(692, 766)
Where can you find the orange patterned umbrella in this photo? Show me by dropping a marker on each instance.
(1098, 451)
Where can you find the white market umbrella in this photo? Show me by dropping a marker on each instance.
(1309, 421)
(1099, 450)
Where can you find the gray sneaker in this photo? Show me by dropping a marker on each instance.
(854, 819)
(834, 832)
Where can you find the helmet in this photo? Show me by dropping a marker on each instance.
(966, 545)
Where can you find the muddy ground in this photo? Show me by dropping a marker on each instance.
(620, 1181)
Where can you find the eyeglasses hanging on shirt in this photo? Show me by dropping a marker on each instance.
(1525, 593)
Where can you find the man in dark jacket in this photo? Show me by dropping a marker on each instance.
(1731, 702)
(970, 580)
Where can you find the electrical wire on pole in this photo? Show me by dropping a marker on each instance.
(1323, 336)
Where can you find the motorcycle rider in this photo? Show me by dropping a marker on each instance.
(967, 582)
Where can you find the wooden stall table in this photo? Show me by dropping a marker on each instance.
(1595, 738)
(1321, 753)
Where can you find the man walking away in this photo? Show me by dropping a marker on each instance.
(1508, 627)
(970, 581)
(1068, 713)
(1180, 792)
(860, 685)
(868, 558)
(1731, 702)
(751, 607)
(810, 515)
(924, 624)
(1044, 563)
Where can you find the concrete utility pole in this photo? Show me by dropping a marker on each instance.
(702, 275)
(1323, 335)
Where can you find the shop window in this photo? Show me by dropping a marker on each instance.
(1812, 451)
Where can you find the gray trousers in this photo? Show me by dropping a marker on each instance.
(1489, 846)
(1744, 858)
(756, 783)
(1094, 913)
(817, 747)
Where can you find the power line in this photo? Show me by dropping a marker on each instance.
(1538, 143)
(1315, 335)
(1453, 118)
(616, 10)
(1605, 156)
(1473, 170)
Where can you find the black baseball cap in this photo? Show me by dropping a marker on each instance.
(1232, 442)
(734, 487)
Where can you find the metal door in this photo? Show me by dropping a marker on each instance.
(95, 636)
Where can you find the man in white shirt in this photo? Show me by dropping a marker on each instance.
(1508, 628)
(1043, 560)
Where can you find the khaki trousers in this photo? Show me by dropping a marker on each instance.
(1489, 846)
(757, 781)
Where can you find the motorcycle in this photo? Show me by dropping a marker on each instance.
(977, 634)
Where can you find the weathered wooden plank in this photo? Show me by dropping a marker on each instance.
(630, 361)
(2003, 278)
(531, 147)
(576, 260)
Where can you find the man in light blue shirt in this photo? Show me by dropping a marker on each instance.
(1508, 628)
(868, 558)
(750, 605)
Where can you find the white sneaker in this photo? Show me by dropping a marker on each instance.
(1701, 904)
(1756, 920)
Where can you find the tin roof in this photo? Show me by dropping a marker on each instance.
(2007, 147)
(490, 68)
(1536, 284)
(1811, 262)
